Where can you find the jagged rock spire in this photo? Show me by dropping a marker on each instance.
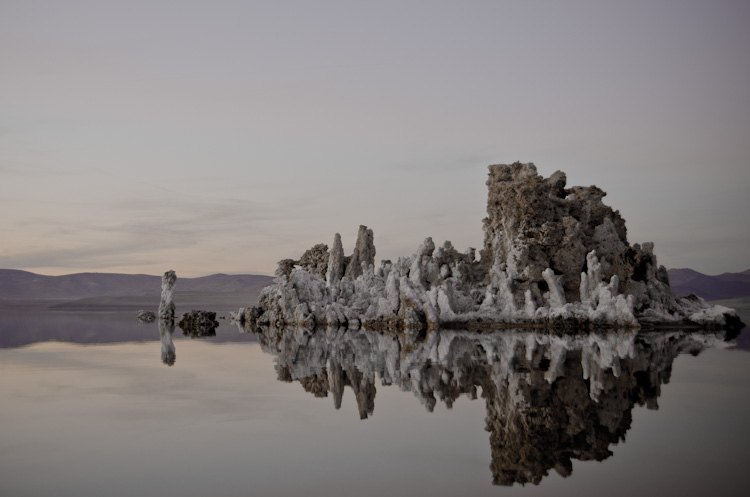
(335, 262)
(553, 256)
(364, 251)
(166, 305)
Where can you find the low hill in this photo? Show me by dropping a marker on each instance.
(15, 284)
(722, 286)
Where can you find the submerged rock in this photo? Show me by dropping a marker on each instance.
(166, 306)
(145, 316)
(197, 324)
(553, 257)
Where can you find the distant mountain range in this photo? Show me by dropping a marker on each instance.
(723, 286)
(15, 284)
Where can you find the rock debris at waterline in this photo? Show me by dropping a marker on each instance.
(553, 257)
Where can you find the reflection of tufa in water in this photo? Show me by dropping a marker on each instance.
(166, 318)
(553, 257)
(168, 353)
(198, 324)
(549, 398)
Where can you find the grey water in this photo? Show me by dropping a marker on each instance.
(92, 405)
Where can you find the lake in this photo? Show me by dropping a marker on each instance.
(94, 403)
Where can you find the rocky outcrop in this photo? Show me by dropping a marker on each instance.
(553, 257)
(550, 399)
(198, 324)
(166, 305)
(315, 260)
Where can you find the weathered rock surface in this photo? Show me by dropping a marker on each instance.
(364, 253)
(553, 257)
(166, 306)
(197, 324)
(315, 260)
(336, 263)
(549, 398)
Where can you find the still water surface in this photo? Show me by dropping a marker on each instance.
(89, 407)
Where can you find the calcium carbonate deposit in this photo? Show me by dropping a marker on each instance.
(553, 257)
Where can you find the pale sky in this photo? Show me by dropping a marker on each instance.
(222, 136)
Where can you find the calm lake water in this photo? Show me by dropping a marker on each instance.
(91, 406)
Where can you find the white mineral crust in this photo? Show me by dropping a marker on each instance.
(552, 257)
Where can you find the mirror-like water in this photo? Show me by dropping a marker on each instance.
(95, 404)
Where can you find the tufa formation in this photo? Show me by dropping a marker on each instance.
(166, 305)
(553, 257)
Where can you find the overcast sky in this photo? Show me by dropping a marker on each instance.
(222, 136)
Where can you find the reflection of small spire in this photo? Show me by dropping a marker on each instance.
(168, 354)
(364, 391)
(336, 382)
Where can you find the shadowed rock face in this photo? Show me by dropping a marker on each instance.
(535, 223)
(364, 253)
(315, 260)
(550, 399)
(553, 257)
